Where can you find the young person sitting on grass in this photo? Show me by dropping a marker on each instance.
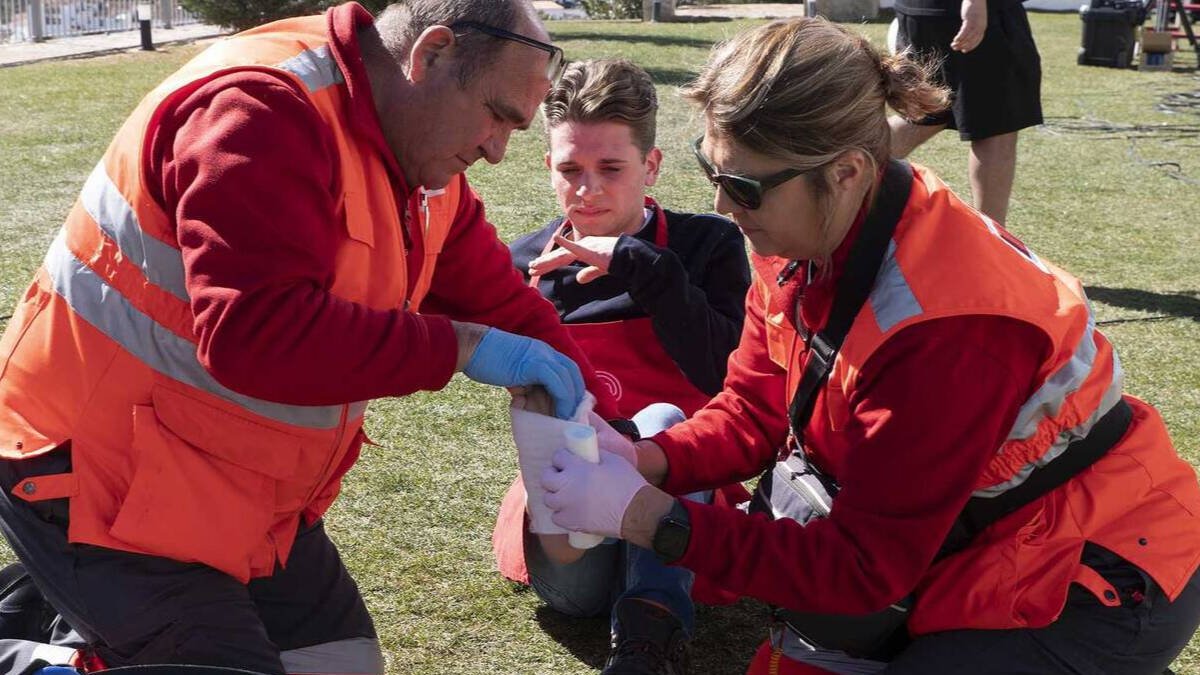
(655, 300)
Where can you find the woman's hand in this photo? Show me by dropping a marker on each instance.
(597, 252)
(588, 497)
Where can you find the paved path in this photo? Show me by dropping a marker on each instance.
(766, 10)
(90, 45)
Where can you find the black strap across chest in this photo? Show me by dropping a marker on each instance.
(854, 287)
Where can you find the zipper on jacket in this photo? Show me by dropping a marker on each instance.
(425, 195)
(787, 273)
(424, 217)
(323, 477)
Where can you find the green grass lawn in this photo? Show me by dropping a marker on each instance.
(415, 519)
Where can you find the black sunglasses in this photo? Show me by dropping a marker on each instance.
(743, 190)
(554, 69)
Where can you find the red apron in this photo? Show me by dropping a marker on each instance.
(627, 355)
(631, 362)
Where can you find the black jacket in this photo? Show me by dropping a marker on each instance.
(693, 291)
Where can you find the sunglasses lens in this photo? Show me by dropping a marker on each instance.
(744, 192)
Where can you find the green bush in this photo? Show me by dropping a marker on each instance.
(613, 9)
(243, 14)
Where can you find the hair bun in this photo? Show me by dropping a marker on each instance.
(909, 86)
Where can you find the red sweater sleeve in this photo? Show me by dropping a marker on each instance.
(738, 433)
(926, 419)
(475, 280)
(249, 171)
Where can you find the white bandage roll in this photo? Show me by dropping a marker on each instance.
(582, 442)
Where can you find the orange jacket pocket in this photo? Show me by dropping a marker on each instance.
(199, 504)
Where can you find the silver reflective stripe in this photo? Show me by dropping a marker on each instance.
(112, 314)
(1048, 399)
(1033, 258)
(162, 264)
(356, 410)
(892, 300)
(1111, 397)
(835, 661)
(353, 656)
(315, 67)
(1028, 255)
(54, 655)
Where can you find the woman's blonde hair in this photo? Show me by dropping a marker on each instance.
(805, 91)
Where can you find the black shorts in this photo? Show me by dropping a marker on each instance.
(997, 87)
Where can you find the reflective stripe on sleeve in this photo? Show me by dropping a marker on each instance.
(160, 263)
(1047, 401)
(892, 300)
(1112, 395)
(113, 314)
(315, 67)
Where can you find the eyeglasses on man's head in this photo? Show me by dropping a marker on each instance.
(554, 68)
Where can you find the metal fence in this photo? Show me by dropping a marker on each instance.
(23, 20)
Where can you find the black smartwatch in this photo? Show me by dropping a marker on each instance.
(625, 427)
(673, 534)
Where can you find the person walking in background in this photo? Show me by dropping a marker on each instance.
(985, 52)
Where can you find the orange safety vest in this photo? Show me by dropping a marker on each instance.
(101, 350)
(1140, 500)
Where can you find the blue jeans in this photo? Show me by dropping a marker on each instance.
(616, 569)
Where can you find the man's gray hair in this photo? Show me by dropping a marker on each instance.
(401, 23)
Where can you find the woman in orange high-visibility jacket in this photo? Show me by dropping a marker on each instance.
(954, 481)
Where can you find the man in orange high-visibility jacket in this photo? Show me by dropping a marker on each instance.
(280, 232)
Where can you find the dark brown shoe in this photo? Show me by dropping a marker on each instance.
(649, 641)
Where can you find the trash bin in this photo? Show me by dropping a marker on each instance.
(1109, 32)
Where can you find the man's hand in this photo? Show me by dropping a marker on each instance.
(974, 25)
(588, 497)
(597, 252)
(534, 399)
(508, 360)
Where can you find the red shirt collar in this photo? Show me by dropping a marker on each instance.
(815, 295)
(345, 22)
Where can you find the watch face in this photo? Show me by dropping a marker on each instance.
(673, 534)
(671, 539)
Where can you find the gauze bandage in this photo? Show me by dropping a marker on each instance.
(537, 438)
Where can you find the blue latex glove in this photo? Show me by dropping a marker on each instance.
(508, 360)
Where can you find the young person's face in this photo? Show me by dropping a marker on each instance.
(600, 177)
